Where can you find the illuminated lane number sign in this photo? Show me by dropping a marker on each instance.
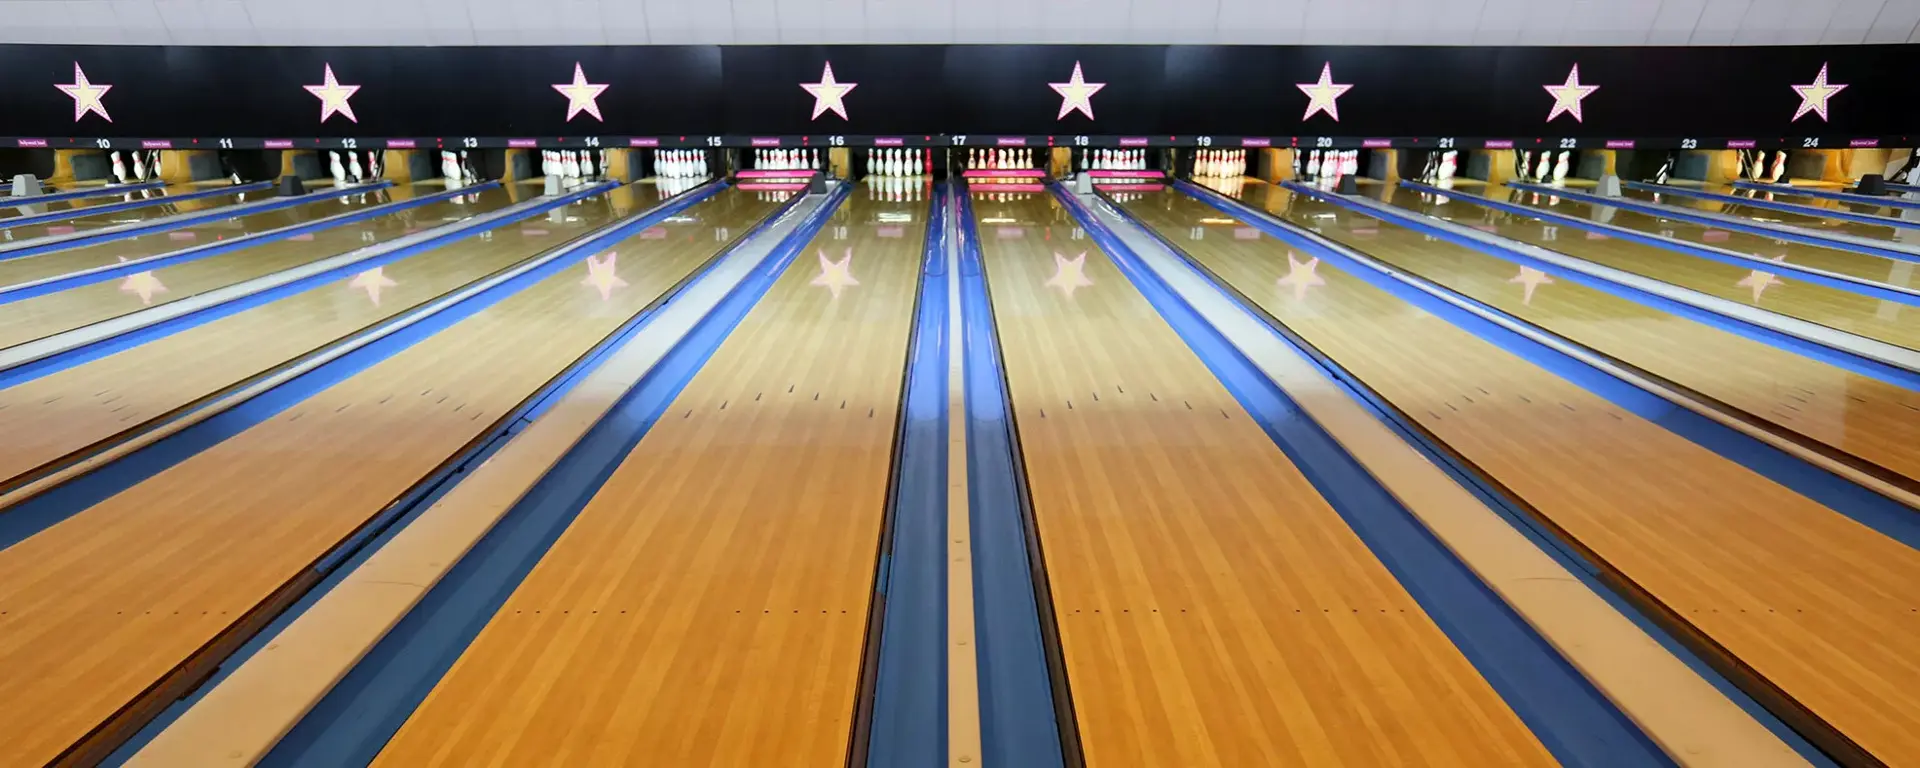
(226, 143)
(1203, 141)
(1689, 143)
(1323, 141)
(836, 141)
(1569, 144)
(1079, 141)
(1444, 143)
(349, 143)
(958, 140)
(469, 142)
(713, 141)
(1809, 142)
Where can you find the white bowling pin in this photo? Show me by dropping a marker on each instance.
(140, 167)
(119, 168)
(1353, 162)
(1313, 165)
(334, 165)
(1779, 167)
(353, 166)
(1562, 166)
(1526, 164)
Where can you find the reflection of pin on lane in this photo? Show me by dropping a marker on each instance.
(603, 276)
(373, 281)
(1301, 276)
(1530, 278)
(1069, 275)
(1760, 281)
(836, 276)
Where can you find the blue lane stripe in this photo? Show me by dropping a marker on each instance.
(64, 501)
(1861, 286)
(1020, 722)
(10, 295)
(356, 718)
(179, 220)
(83, 354)
(1846, 197)
(1589, 572)
(1834, 356)
(1578, 724)
(909, 703)
(1824, 213)
(1735, 224)
(392, 520)
(92, 210)
(9, 201)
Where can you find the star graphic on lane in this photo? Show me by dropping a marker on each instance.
(602, 275)
(1301, 276)
(1760, 281)
(1567, 96)
(836, 276)
(1076, 94)
(1530, 278)
(333, 96)
(372, 281)
(1814, 95)
(1321, 95)
(582, 96)
(142, 284)
(1069, 275)
(829, 95)
(86, 95)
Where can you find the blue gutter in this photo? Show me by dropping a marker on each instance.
(35, 246)
(1021, 669)
(1845, 197)
(1820, 277)
(63, 501)
(88, 352)
(92, 210)
(1903, 187)
(1835, 356)
(1731, 221)
(352, 723)
(1575, 721)
(1805, 210)
(1752, 454)
(908, 702)
(334, 567)
(28, 290)
(54, 197)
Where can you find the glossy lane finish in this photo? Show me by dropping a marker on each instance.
(97, 608)
(1813, 221)
(1836, 258)
(709, 605)
(48, 314)
(13, 210)
(110, 252)
(1855, 414)
(48, 418)
(83, 220)
(1755, 285)
(1212, 608)
(1820, 605)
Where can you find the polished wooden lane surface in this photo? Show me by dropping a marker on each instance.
(1755, 285)
(10, 209)
(1794, 195)
(1855, 414)
(709, 605)
(46, 419)
(99, 607)
(1836, 258)
(86, 221)
(1814, 221)
(48, 314)
(1213, 609)
(107, 253)
(1819, 605)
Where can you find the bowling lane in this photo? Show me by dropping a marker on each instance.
(13, 209)
(84, 220)
(1890, 231)
(1784, 193)
(1816, 603)
(1835, 259)
(49, 418)
(61, 311)
(15, 271)
(1856, 414)
(1266, 632)
(99, 609)
(709, 604)
(1775, 291)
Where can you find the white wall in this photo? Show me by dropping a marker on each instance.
(1282, 22)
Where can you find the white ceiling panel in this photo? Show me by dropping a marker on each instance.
(697, 22)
